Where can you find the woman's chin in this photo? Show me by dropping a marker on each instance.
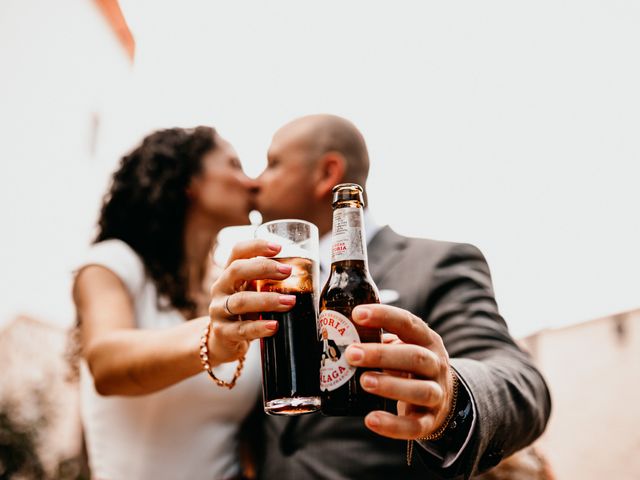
(241, 219)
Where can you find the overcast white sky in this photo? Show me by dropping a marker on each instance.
(511, 125)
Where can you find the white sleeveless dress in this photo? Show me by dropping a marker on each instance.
(186, 431)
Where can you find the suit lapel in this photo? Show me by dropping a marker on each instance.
(382, 250)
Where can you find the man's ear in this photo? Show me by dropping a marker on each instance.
(330, 171)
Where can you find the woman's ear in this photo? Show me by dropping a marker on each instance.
(192, 189)
(330, 171)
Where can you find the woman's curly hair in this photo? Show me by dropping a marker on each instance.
(147, 202)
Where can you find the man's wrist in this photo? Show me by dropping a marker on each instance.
(440, 431)
(455, 435)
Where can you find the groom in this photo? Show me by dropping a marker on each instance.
(472, 396)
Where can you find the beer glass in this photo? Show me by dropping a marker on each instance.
(290, 376)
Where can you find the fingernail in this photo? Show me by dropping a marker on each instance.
(273, 246)
(284, 268)
(369, 381)
(355, 354)
(288, 299)
(272, 325)
(373, 421)
(361, 313)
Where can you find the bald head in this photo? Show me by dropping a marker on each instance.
(320, 134)
(306, 159)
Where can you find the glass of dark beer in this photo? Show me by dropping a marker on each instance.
(290, 377)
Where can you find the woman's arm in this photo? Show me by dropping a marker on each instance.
(125, 360)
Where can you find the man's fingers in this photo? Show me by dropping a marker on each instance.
(231, 332)
(393, 426)
(390, 338)
(242, 303)
(404, 324)
(426, 393)
(244, 270)
(253, 248)
(402, 357)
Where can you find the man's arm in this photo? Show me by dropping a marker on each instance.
(509, 396)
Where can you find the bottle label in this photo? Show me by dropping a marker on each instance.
(347, 237)
(336, 334)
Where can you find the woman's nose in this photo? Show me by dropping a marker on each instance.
(250, 183)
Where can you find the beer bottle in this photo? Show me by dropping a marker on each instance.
(349, 285)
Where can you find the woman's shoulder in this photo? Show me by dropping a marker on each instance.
(118, 257)
(112, 245)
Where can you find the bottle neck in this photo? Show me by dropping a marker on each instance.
(348, 242)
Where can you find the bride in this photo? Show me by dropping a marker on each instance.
(143, 297)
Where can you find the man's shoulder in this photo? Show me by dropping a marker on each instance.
(433, 246)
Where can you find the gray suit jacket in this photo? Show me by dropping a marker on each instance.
(449, 286)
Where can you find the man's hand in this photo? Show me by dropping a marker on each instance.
(415, 372)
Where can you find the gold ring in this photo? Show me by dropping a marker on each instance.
(226, 307)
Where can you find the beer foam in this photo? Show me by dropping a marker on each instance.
(291, 248)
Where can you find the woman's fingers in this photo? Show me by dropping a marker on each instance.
(247, 263)
(246, 270)
(241, 303)
(253, 248)
(243, 331)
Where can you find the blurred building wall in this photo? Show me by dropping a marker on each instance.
(39, 402)
(62, 64)
(593, 370)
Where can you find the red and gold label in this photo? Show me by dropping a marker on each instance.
(336, 334)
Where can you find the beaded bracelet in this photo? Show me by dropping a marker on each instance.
(204, 359)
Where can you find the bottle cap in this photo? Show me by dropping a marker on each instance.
(347, 192)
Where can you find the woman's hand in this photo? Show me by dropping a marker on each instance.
(232, 297)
